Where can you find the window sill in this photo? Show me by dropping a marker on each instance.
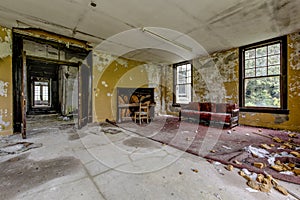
(176, 105)
(264, 110)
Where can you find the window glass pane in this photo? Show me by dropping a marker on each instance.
(249, 72)
(274, 49)
(274, 60)
(188, 67)
(45, 93)
(263, 92)
(274, 70)
(261, 71)
(182, 90)
(37, 93)
(249, 64)
(250, 54)
(189, 80)
(261, 62)
(262, 51)
(182, 77)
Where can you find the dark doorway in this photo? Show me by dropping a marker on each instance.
(50, 78)
(42, 87)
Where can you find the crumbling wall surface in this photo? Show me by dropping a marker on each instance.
(283, 121)
(167, 92)
(215, 77)
(5, 81)
(111, 72)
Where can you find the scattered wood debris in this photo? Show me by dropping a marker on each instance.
(195, 170)
(259, 165)
(229, 167)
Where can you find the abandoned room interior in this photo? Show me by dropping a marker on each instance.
(111, 99)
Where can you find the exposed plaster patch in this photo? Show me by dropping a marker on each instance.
(5, 44)
(294, 86)
(279, 119)
(5, 50)
(210, 74)
(3, 88)
(295, 51)
(122, 62)
(3, 124)
(102, 60)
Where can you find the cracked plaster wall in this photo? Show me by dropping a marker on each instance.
(111, 72)
(216, 78)
(5, 81)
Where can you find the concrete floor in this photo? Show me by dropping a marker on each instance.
(105, 162)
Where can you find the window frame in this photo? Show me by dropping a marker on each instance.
(283, 77)
(175, 83)
(39, 85)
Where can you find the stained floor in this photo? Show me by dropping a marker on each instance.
(102, 161)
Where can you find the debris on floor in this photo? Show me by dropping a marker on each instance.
(263, 183)
(195, 170)
(18, 147)
(111, 130)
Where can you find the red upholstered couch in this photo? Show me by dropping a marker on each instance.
(225, 113)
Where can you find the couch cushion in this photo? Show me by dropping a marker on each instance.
(208, 107)
(225, 107)
(221, 117)
(190, 114)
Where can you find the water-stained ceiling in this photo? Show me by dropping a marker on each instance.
(161, 31)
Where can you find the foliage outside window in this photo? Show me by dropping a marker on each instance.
(183, 83)
(263, 75)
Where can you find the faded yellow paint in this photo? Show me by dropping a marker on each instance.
(118, 73)
(6, 95)
(38, 33)
(289, 121)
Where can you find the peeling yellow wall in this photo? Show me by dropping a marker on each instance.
(109, 73)
(216, 79)
(289, 121)
(6, 106)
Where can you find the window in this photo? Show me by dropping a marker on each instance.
(183, 83)
(41, 93)
(263, 76)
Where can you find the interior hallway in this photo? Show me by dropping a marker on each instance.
(66, 163)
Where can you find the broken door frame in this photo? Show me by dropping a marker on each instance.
(18, 76)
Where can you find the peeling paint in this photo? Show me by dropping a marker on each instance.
(279, 119)
(3, 124)
(211, 73)
(295, 51)
(294, 86)
(3, 88)
(5, 43)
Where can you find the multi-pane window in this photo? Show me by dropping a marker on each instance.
(183, 83)
(263, 74)
(41, 93)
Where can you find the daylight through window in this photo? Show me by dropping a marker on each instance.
(263, 70)
(183, 83)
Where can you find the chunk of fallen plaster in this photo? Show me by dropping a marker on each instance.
(281, 189)
(253, 184)
(229, 167)
(259, 165)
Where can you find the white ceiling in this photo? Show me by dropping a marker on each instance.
(161, 31)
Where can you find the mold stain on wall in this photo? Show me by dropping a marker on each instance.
(5, 81)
